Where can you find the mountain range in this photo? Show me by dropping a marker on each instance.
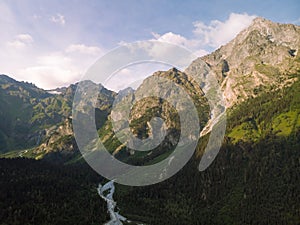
(262, 58)
(255, 177)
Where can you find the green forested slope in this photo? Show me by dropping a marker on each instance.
(253, 180)
(25, 111)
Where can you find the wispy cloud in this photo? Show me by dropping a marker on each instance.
(214, 34)
(191, 44)
(83, 49)
(21, 41)
(51, 70)
(211, 35)
(58, 18)
(133, 75)
(60, 68)
(218, 33)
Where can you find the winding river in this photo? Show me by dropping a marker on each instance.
(106, 192)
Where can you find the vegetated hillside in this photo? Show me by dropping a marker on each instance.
(253, 180)
(273, 113)
(35, 122)
(26, 111)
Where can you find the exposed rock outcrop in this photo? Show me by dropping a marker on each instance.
(261, 57)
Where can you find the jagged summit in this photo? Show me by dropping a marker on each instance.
(260, 57)
(260, 21)
(262, 33)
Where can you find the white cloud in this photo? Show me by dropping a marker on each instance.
(133, 75)
(176, 39)
(21, 41)
(49, 77)
(25, 38)
(54, 59)
(50, 71)
(16, 44)
(83, 49)
(58, 18)
(215, 34)
(47, 64)
(61, 68)
(218, 33)
(171, 38)
(201, 52)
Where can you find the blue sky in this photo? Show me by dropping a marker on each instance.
(52, 43)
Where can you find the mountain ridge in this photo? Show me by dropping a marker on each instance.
(259, 57)
(254, 179)
(244, 69)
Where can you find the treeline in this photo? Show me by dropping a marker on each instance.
(266, 106)
(246, 184)
(36, 192)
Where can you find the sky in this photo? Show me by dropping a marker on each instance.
(53, 43)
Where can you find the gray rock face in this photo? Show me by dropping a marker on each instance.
(152, 111)
(259, 58)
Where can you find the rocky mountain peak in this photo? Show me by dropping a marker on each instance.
(260, 57)
(261, 34)
(287, 34)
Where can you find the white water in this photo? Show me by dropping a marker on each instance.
(115, 217)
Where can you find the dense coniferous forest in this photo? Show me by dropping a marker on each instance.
(38, 192)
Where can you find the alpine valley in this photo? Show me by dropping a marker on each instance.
(253, 180)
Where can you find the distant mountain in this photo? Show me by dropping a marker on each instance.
(31, 116)
(25, 110)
